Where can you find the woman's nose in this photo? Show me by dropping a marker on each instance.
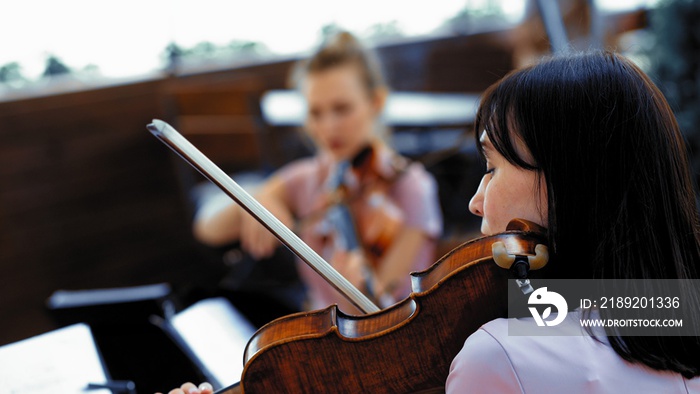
(476, 204)
(328, 123)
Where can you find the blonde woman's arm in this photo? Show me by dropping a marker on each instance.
(231, 223)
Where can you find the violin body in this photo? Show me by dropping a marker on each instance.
(379, 221)
(405, 348)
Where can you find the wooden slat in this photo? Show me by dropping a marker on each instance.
(88, 198)
(216, 124)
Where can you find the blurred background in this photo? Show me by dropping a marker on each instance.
(89, 199)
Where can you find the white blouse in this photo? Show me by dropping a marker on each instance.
(492, 361)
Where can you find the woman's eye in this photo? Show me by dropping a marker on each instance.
(314, 114)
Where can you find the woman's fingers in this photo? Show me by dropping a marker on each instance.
(256, 239)
(186, 388)
(351, 266)
(190, 388)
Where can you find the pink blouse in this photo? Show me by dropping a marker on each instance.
(492, 361)
(414, 193)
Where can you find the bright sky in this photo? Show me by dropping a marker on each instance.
(127, 37)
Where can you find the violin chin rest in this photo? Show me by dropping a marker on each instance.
(526, 226)
(541, 257)
(505, 260)
(501, 256)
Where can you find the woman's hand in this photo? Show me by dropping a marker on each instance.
(255, 238)
(353, 267)
(190, 388)
(218, 226)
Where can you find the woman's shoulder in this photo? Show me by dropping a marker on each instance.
(305, 173)
(408, 174)
(482, 365)
(302, 166)
(571, 362)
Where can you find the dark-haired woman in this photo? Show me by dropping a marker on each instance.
(586, 146)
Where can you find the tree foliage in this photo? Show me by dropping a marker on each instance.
(54, 67)
(11, 72)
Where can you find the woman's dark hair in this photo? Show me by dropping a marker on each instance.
(621, 202)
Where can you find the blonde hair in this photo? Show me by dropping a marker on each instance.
(339, 50)
(343, 49)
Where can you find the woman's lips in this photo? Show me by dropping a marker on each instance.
(336, 145)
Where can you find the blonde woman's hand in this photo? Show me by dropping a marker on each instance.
(352, 266)
(255, 238)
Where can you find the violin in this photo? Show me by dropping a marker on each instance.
(405, 348)
(363, 216)
(381, 220)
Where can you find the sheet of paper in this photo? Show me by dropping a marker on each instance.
(217, 333)
(60, 361)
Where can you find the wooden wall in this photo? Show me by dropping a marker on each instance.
(89, 199)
